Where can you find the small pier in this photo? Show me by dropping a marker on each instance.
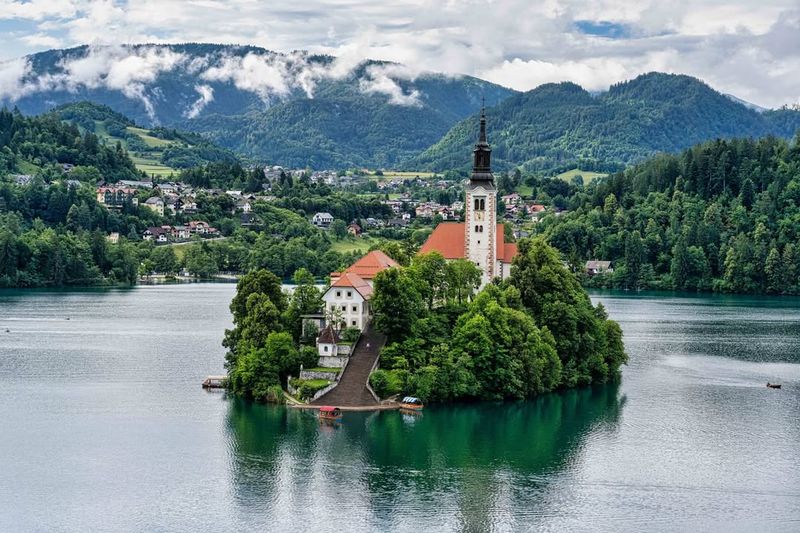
(215, 382)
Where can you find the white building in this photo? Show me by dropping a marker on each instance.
(322, 220)
(348, 297)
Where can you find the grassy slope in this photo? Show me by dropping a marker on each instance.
(588, 175)
(351, 244)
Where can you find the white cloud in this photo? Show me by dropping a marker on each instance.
(206, 93)
(753, 53)
(11, 75)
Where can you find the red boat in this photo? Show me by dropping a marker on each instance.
(326, 412)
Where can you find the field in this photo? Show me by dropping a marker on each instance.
(588, 175)
(392, 175)
(152, 166)
(351, 244)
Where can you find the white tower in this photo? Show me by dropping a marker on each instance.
(481, 210)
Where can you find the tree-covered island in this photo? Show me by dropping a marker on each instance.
(535, 332)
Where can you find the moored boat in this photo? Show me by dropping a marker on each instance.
(329, 413)
(412, 404)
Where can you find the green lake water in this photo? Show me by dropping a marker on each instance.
(105, 428)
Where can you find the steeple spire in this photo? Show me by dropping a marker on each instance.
(482, 154)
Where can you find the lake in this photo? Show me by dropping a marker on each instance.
(106, 428)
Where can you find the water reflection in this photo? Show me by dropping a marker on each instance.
(465, 467)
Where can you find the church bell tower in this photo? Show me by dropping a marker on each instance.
(480, 207)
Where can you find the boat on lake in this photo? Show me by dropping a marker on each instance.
(329, 413)
(773, 385)
(412, 404)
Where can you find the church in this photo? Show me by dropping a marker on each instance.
(480, 238)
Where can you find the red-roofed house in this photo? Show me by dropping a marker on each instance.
(350, 291)
(368, 266)
(479, 238)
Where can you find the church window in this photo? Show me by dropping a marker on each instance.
(483, 204)
(325, 348)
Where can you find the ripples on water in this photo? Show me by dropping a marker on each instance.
(107, 429)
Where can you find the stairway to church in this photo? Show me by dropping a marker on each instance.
(352, 388)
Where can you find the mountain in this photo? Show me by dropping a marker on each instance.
(293, 109)
(558, 126)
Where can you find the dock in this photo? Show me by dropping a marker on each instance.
(215, 382)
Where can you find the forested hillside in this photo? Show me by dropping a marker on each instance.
(159, 150)
(723, 216)
(292, 109)
(562, 126)
(30, 144)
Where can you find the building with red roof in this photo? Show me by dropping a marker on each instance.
(347, 299)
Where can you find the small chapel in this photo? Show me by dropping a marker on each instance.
(479, 238)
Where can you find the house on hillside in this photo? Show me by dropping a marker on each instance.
(115, 197)
(155, 204)
(598, 267)
(159, 234)
(322, 220)
(354, 230)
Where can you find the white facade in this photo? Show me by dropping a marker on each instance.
(353, 307)
(481, 227)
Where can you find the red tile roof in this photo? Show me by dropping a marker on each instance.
(448, 240)
(352, 280)
(368, 266)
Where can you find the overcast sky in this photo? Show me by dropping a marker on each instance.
(746, 48)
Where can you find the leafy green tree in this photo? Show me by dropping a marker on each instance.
(164, 260)
(396, 302)
(462, 278)
(338, 229)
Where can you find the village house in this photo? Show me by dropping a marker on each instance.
(114, 197)
(354, 230)
(511, 199)
(480, 238)
(155, 204)
(593, 268)
(322, 220)
(158, 234)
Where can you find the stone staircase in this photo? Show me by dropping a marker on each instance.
(352, 388)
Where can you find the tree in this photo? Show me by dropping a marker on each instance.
(774, 272)
(430, 272)
(396, 302)
(556, 301)
(164, 259)
(463, 278)
(338, 229)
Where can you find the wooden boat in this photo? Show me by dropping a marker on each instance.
(773, 385)
(412, 404)
(328, 413)
(215, 382)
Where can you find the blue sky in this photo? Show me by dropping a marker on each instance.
(738, 48)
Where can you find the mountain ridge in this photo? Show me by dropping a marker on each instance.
(561, 125)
